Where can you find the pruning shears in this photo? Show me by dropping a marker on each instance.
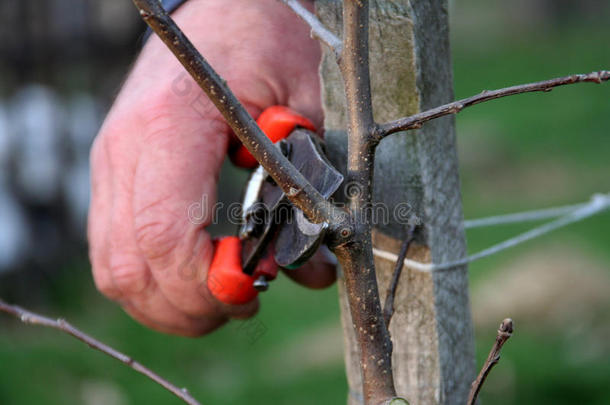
(273, 232)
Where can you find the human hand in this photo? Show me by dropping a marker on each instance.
(158, 153)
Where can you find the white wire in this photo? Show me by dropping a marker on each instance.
(598, 203)
(526, 216)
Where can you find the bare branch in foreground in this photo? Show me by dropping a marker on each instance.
(388, 308)
(290, 180)
(34, 319)
(417, 120)
(505, 331)
(318, 30)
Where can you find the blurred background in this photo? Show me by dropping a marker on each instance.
(62, 62)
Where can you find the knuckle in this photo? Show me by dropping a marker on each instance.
(105, 286)
(101, 274)
(156, 238)
(130, 279)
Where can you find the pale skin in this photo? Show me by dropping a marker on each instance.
(160, 150)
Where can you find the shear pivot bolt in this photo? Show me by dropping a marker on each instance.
(261, 284)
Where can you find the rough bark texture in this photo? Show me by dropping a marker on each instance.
(433, 357)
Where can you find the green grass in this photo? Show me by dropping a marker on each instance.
(568, 128)
(229, 366)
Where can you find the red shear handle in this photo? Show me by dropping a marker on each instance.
(226, 280)
(277, 122)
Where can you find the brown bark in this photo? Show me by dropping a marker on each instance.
(433, 357)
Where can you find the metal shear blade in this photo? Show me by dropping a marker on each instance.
(271, 216)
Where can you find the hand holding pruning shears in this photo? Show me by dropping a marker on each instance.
(156, 155)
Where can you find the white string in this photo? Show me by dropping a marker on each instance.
(571, 214)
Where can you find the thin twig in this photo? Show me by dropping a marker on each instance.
(291, 181)
(388, 308)
(417, 120)
(318, 30)
(59, 324)
(505, 331)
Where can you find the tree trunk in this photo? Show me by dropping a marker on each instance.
(415, 173)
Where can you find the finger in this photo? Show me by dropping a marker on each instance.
(154, 310)
(319, 272)
(99, 219)
(129, 272)
(176, 176)
(131, 276)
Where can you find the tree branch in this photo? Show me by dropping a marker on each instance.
(292, 182)
(505, 331)
(318, 30)
(388, 308)
(417, 120)
(31, 318)
(356, 255)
